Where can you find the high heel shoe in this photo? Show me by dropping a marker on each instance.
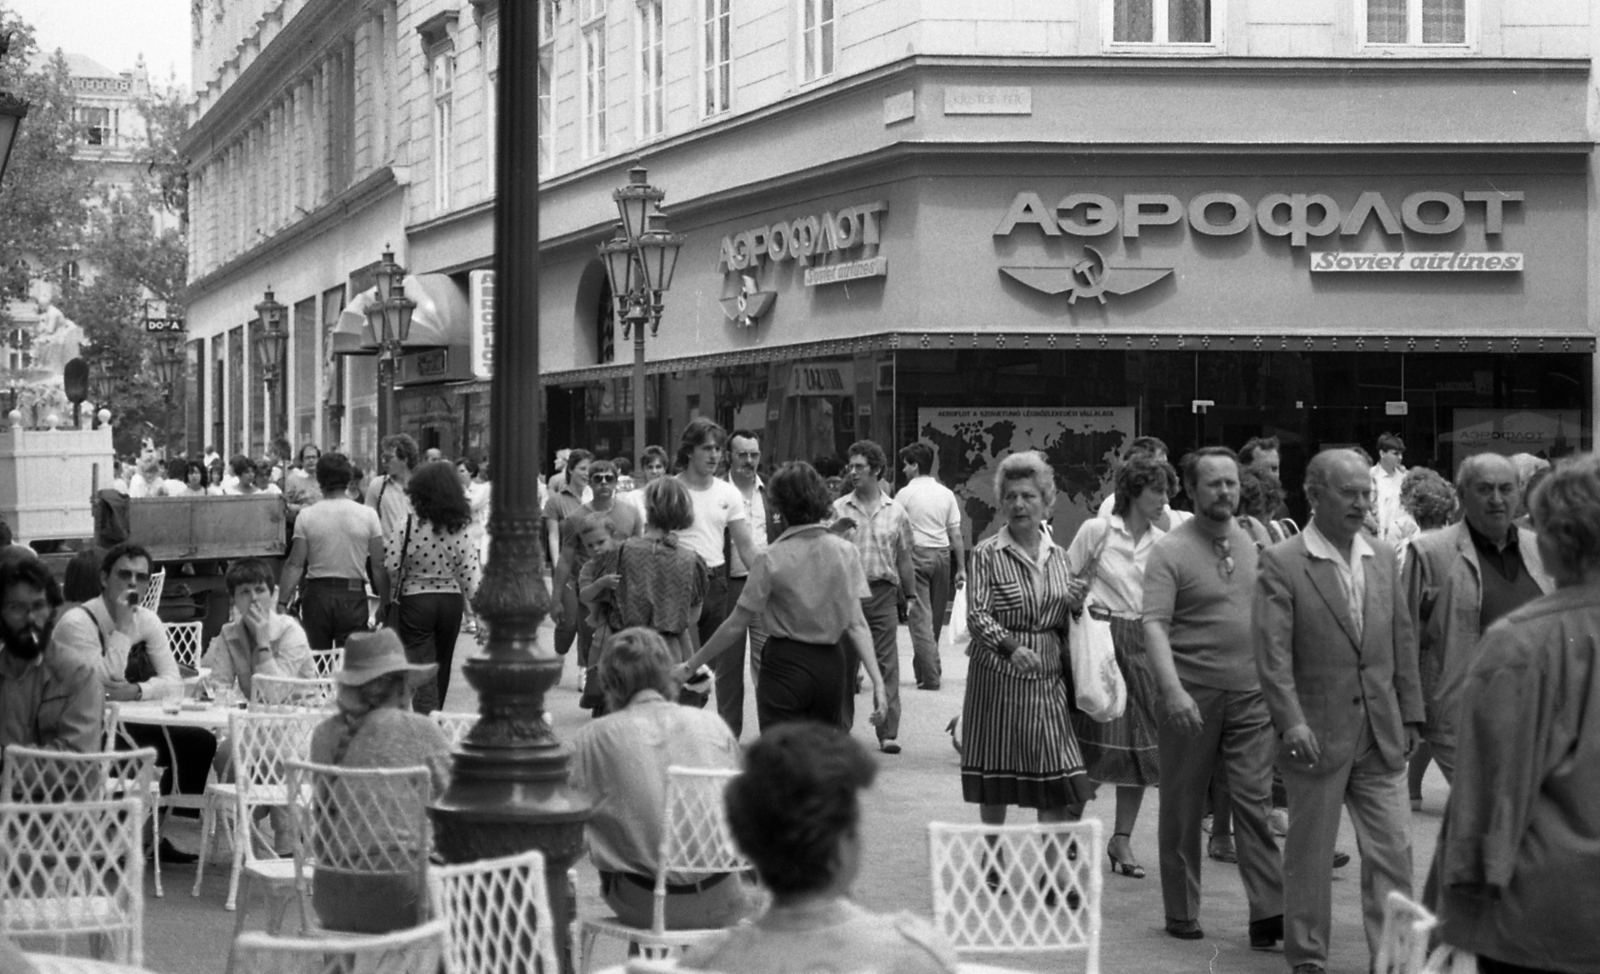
(1132, 870)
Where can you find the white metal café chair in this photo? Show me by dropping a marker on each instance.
(419, 950)
(497, 915)
(37, 775)
(263, 746)
(185, 639)
(281, 693)
(152, 595)
(75, 868)
(455, 724)
(1018, 888)
(328, 662)
(694, 842)
(357, 822)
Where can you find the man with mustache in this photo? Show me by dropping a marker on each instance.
(48, 698)
(1459, 580)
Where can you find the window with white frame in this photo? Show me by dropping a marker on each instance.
(491, 95)
(443, 68)
(651, 77)
(816, 39)
(1164, 23)
(547, 21)
(547, 72)
(716, 66)
(592, 48)
(1415, 23)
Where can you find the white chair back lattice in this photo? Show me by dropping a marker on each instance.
(184, 638)
(264, 743)
(1403, 945)
(454, 724)
(75, 868)
(152, 595)
(1018, 888)
(35, 775)
(328, 662)
(497, 912)
(418, 950)
(695, 840)
(360, 820)
(281, 693)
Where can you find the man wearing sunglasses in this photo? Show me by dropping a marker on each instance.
(624, 522)
(1198, 590)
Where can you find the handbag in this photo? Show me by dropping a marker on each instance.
(391, 612)
(1098, 685)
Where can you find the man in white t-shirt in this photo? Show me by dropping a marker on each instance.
(935, 516)
(1387, 476)
(336, 540)
(719, 517)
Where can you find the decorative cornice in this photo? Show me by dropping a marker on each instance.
(357, 197)
(438, 29)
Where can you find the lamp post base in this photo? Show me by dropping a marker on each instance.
(508, 792)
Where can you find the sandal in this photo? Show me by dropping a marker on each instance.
(1130, 869)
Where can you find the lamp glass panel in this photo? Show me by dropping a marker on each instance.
(404, 308)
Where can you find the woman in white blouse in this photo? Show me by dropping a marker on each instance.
(1111, 553)
(432, 560)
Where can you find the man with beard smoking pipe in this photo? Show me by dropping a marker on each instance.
(48, 698)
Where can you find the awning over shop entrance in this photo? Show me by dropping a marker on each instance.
(442, 318)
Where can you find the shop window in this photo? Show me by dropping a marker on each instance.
(593, 96)
(1179, 25)
(650, 34)
(816, 39)
(1415, 23)
(716, 65)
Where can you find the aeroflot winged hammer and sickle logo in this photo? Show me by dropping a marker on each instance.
(1091, 277)
(746, 308)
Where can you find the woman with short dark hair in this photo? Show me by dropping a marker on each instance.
(433, 570)
(795, 812)
(808, 590)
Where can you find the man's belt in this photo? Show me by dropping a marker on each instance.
(335, 581)
(674, 889)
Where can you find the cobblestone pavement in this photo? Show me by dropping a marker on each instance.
(187, 935)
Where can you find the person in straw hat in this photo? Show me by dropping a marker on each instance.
(375, 728)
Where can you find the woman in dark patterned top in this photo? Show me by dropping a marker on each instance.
(662, 583)
(432, 561)
(1017, 745)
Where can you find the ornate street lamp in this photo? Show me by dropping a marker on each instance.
(508, 790)
(168, 363)
(640, 260)
(390, 318)
(12, 111)
(270, 341)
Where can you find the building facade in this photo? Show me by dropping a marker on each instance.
(988, 226)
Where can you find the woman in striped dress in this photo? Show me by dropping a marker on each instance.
(1111, 553)
(1017, 742)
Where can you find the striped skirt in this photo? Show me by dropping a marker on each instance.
(1017, 745)
(1123, 751)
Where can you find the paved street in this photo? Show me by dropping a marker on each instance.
(190, 936)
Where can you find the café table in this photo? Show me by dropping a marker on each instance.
(665, 966)
(64, 964)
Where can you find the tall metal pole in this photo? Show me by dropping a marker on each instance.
(385, 388)
(639, 406)
(509, 789)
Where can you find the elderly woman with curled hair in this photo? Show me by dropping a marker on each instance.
(620, 762)
(808, 589)
(1018, 746)
(1516, 877)
(795, 812)
(1109, 554)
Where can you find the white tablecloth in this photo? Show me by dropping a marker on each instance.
(150, 712)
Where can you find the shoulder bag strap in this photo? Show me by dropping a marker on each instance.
(405, 546)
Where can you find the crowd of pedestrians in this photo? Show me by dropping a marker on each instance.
(1277, 675)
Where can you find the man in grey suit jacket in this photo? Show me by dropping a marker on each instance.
(1338, 665)
(1458, 581)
